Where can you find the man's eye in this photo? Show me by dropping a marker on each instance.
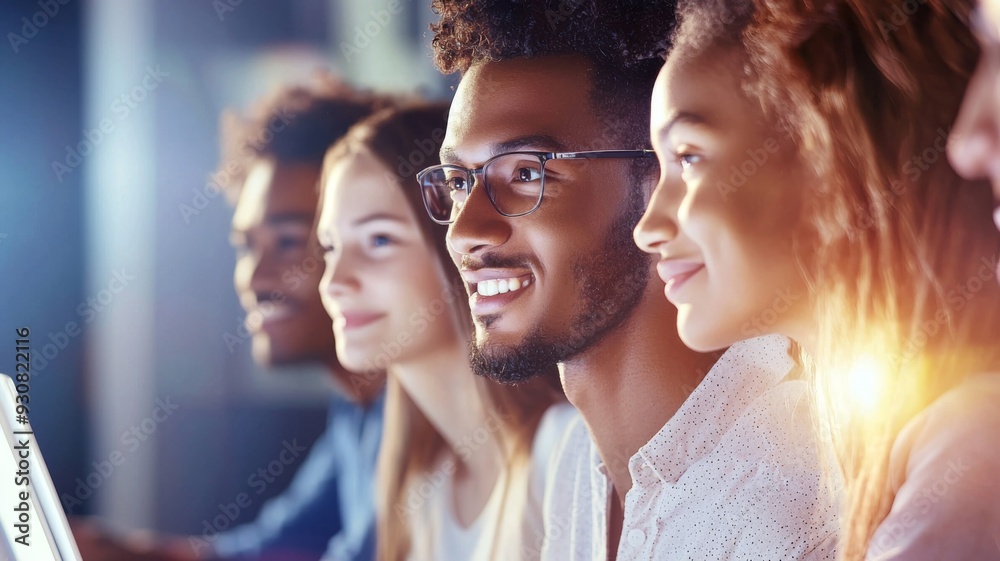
(455, 183)
(289, 243)
(527, 174)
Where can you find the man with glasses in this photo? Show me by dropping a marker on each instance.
(546, 171)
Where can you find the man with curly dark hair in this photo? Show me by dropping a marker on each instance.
(272, 157)
(545, 174)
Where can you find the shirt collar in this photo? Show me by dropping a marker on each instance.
(744, 372)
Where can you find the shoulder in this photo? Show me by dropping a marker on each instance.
(961, 425)
(554, 428)
(946, 496)
(559, 427)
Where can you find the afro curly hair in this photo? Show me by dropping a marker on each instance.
(295, 124)
(623, 41)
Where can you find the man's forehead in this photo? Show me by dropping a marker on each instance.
(276, 192)
(498, 102)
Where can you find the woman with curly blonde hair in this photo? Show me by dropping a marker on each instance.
(806, 188)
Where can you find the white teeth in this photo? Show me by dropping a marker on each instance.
(500, 286)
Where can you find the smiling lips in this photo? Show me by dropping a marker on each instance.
(354, 320)
(675, 273)
(492, 289)
(266, 315)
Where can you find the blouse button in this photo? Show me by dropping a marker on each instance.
(636, 537)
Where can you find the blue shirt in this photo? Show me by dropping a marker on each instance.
(329, 506)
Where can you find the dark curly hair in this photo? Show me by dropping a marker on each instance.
(294, 125)
(621, 40)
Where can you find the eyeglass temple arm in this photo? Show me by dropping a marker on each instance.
(603, 154)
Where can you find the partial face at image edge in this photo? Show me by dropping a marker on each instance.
(974, 149)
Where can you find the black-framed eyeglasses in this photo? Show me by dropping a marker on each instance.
(514, 182)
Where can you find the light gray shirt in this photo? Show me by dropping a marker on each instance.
(733, 474)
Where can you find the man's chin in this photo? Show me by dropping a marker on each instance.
(267, 354)
(510, 362)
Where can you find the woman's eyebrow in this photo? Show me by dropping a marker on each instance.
(379, 216)
(685, 117)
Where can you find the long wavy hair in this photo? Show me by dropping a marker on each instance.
(897, 242)
(405, 139)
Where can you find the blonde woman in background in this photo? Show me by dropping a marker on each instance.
(462, 464)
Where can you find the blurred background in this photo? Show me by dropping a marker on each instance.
(114, 248)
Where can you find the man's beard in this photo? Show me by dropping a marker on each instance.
(611, 280)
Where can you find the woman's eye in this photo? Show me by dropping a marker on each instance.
(381, 240)
(688, 160)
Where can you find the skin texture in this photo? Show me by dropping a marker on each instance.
(391, 306)
(278, 265)
(379, 282)
(974, 150)
(585, 279)
(727, 205)
(628, 376)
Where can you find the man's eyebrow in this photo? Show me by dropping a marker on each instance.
(543, 142)
(686, 117)
(538, 141)
(290, 218)
(448, 155)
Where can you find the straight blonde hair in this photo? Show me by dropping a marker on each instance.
(411, 445)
